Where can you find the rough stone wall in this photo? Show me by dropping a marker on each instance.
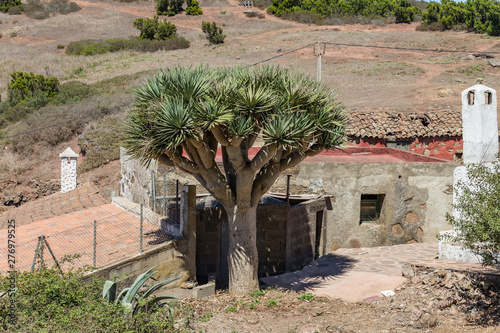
(135, 183)
(68, 174)
(417, 196)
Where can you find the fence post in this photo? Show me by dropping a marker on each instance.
(177, 207)
(153, 189)
(140, 232)
(95, 242)
(164, 196)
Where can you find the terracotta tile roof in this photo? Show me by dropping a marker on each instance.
(393, 125)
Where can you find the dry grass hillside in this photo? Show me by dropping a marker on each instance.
(404, 72)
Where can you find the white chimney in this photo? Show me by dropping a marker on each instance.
(480, 127)
(68, 170)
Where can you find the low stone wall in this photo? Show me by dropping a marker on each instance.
(171, 260)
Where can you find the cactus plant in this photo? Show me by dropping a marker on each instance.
(132, 293)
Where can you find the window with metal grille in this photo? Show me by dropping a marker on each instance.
(370, 207)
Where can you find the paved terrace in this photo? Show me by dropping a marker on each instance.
(355, 275)
(69, 230)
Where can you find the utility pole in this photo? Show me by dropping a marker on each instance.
(318, 51)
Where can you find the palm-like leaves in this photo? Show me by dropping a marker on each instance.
(183, 103)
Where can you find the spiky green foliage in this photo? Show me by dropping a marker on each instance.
(130, 298)
(182, 115)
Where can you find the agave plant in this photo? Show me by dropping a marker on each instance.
(130, 298)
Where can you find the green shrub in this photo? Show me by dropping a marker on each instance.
(28, 85)
(155, 29)
(169, 7)
(72, 91)
(402, 9)
(193, 8)
(50, 302)
(479, 16)
(16, 10)
(212, 32)
(91, 47)
(478, 224)
(60, 46)
(5, 5)
(42, 10)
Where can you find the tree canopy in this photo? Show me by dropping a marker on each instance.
(183, 114)
(186, 116)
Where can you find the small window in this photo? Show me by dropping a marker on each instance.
(370, 207)
(470, 97)
(488, 98)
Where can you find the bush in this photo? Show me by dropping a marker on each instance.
(72, 91)
(60, 46)
(193, 8)
(5, 5)
(212, 32)
(16, 10)
(42, 10)
(91, 47)
(28, 85)
(478, 224)
(477, 15)
(254, 13)
(321, 9)
(169, 7)
(155, 29)
(48, 301)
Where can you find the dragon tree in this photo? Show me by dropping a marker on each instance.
(183, 116)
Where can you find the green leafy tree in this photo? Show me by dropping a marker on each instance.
(28, 85)
(169, 7)
(186, 116)
(212, 32)
(477, 225)
(155, 29)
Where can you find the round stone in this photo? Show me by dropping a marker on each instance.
(397, 230)
(411, 217)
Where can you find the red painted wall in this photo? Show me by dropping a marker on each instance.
(440, 147)
(444, 148)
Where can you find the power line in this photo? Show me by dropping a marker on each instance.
(279, 55)
(266, 60)
(411, 48)
(67, 121)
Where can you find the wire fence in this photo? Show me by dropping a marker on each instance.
(95, 237)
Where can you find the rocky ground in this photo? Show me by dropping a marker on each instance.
(433, 301)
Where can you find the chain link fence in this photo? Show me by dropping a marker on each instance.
(94, 237)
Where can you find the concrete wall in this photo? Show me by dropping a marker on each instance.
(302, 234)
(286, 238)
(171, 259)
(417, 196)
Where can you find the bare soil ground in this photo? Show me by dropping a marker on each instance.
(434, 301)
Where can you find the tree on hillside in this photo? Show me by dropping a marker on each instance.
(182, 116)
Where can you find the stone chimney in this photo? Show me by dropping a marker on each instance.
(68, 170)
(480, 127)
